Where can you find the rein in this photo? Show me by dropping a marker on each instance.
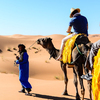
(31, 45)
(78, 49)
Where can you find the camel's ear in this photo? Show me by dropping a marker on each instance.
(88, 45)
(50, 38)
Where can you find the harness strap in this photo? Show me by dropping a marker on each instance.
(72, 63)
(78, 49)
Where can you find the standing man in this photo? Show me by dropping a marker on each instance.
(23, 70)
(79, 24)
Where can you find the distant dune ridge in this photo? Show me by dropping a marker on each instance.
(42, 70)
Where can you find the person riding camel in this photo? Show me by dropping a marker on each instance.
(90, 60)
(79, 24)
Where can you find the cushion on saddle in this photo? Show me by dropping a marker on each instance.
(66, 57)
(96, 77)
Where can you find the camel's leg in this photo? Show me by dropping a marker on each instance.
(80, 73)
(89, 84)
(82, 88)
(76, 83)
(85, 69)
(90, 89)
(63, 66)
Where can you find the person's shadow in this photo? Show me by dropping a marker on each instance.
(53, 97)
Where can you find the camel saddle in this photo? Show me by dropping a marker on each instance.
(70, 45)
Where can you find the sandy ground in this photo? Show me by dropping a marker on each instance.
(46, 75)
(42, 89)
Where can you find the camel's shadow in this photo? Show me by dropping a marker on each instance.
(53, 97)
(50, 97)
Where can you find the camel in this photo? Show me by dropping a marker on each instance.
(78, 61)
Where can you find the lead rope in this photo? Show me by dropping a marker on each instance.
(26, 49)
(31, 45)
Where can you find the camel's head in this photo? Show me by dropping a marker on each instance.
(45, 42)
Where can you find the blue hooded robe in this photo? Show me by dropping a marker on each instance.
(24, 71)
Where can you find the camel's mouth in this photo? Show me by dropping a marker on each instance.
(38, 41)
(41, 42)
(44, 42)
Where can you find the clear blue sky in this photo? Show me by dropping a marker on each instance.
(45, 17)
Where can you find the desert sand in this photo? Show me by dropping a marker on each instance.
(46, 75)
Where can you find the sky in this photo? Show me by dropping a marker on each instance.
(45, 17)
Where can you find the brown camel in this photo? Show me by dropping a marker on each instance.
(78, 61)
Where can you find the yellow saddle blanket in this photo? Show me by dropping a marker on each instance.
(96, 77)
(66, 57)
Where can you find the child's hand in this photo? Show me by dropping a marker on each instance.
(17, 57)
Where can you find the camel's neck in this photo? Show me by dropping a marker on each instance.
(53, 52)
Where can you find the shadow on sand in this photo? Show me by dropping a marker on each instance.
(53, 97)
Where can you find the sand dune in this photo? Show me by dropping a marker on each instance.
(42, 70)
